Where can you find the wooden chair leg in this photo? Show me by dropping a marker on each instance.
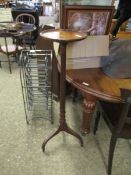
(74, 93)
(97, 119)
(111, 153)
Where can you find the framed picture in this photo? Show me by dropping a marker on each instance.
(93, 20)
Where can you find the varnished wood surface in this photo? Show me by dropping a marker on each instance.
(15, 29)
(124, 35)
(63, 37)
(60, 35)
(99, 84)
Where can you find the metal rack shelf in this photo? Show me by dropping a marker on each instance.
(36, 83)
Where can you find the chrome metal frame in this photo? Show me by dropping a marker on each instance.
(36, 83)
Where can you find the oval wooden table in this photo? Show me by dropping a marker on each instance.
(63, 37)
(95, 84)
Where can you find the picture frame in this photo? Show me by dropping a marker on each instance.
(93, 20)
(88, 2)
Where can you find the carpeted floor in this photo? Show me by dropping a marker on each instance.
(20, 144)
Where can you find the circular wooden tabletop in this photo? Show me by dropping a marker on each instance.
(95, 82)
(63, 35)
(15, 29)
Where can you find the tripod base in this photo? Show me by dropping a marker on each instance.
(63, 127)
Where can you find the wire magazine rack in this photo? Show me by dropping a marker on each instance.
(36, 83)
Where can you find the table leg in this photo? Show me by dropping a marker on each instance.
(88, 109)
(63, 125)
(8, 56)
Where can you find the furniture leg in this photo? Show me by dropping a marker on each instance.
(88, 109)
(8, 57)
(74, 93)
(63, 125)
(111, 153)
(97, 119)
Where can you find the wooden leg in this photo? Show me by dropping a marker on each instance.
(88, 109)
(97, 119)
(111, 153)
(62, 121)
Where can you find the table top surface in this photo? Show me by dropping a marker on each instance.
(93, 81)
(16, 29)
(63, 35)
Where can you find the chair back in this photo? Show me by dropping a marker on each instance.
(118, 119)
(26, 18)
(30, 19)
(124, 124)
(118, 115)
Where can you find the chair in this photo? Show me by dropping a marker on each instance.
(27, 18)
(8, 50)
(118, 119)
(15, 11)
